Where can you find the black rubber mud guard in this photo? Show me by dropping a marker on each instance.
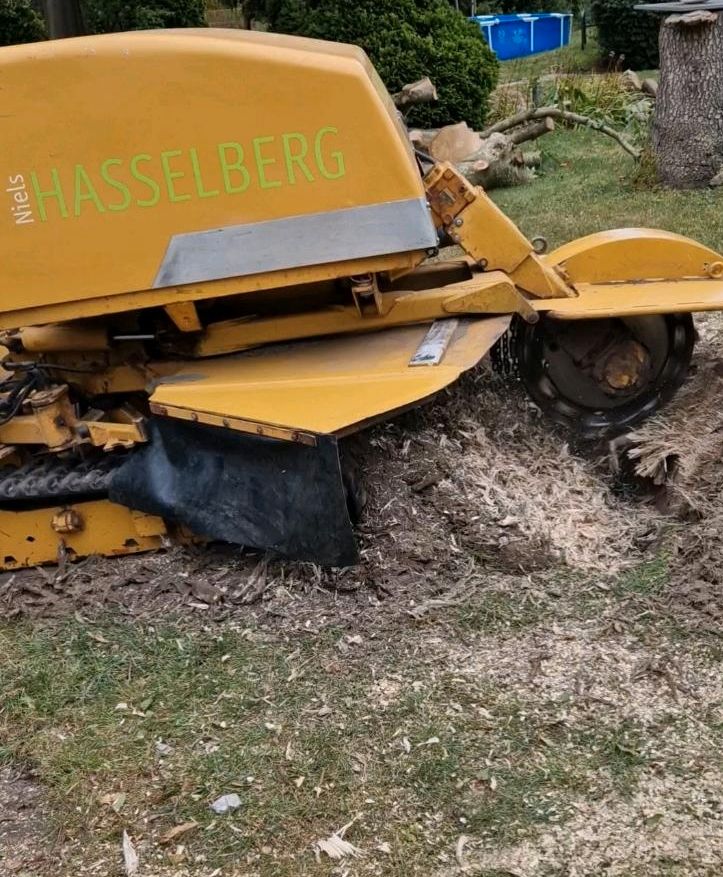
(262, 493)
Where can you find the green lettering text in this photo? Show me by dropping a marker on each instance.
(202, 192)
(228, 166)
(337, 157)
(142, 178)
(296, 157)
(115, 184)
(261, 162)
(171, 175)
(85, 191)
(56, 192)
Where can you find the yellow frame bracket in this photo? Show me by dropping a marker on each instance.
(500, 297)
(483, 231)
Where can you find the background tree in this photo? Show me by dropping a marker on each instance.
(406, 40)
(688, 121)
(19, 23)
(621, 30)
(249, 11)
(507, 7)
(108, 16)
(63, 18)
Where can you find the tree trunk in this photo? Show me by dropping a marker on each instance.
(688, 121)
(63, 18)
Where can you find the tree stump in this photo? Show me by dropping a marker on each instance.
(688, 120)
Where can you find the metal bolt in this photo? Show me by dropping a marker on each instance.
(67, 521)
(539, 244)
(458, 222)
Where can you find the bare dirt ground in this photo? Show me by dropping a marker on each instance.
(562, 620)
(24, 831)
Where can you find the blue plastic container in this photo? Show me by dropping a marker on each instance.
(514, 36)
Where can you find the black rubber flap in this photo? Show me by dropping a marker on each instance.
(263, 493)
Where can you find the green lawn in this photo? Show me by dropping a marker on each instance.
(309, 740)
(569, 59)
(589, 184)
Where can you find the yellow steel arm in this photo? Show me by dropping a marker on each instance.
(475, 222)
(490, 292)
(633, 272)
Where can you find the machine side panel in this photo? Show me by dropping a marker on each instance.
(113, 146)
(312, 239)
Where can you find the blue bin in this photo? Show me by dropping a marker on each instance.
(514, 36)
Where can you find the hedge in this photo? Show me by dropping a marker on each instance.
(109, 16)
(624, 32)
(406, 40)
(19, 23)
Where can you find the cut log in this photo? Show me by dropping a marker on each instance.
(498, 162)
(490, 162)
(422, 137)
(497, 176)
(688, 122)
(563, 116)
(533, 131)
(455, 143)
(630, 81)
(650, 87)
(420, 92)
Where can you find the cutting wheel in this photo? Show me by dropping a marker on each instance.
(600, 377)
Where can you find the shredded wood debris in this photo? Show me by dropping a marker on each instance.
(337, 848)
(679, 456)
(474, 486)
(130, 856)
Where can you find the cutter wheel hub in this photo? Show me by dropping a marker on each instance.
(626, 368)
(600, 377)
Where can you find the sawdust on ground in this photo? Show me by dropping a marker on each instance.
(25, 841)
(476, 494)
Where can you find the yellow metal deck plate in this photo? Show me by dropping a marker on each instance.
(326, 386)
(636, 299)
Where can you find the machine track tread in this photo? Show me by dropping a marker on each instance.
(49, 478)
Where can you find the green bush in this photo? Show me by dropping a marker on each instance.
(19, 23)
(506, 7)
(110, 16)
(406, 40)
(624, 32)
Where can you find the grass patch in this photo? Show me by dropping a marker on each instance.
(587, 185)
(140, 728)
(497, 612)
(647, 579)
(569, 59)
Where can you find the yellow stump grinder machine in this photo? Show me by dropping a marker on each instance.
(215, 258)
